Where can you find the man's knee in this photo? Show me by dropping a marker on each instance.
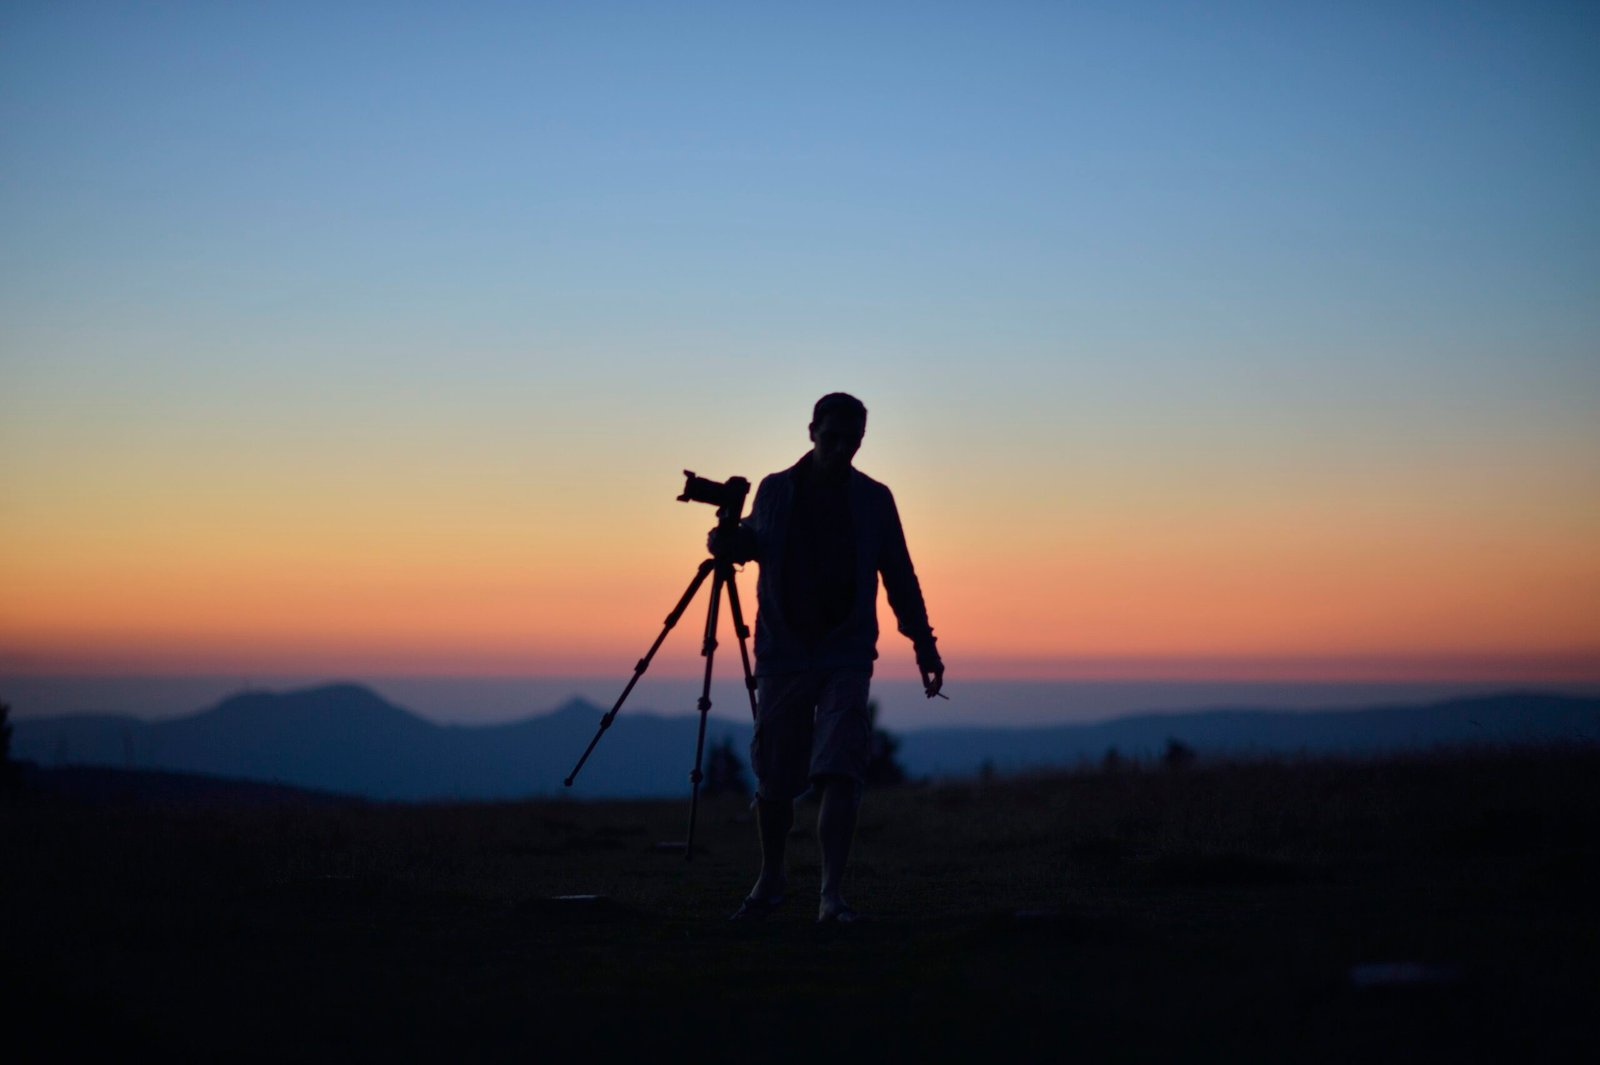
(775, 815)
(839, 787)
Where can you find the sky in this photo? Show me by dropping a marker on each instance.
(1213, 340)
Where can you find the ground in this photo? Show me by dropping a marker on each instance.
(1231, 912)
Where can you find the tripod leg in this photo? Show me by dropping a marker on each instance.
(705, 570)
(709, 650)
(743, 632)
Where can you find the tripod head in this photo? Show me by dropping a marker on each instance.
(727, 496)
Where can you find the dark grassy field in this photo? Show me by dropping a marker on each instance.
(1212, 913)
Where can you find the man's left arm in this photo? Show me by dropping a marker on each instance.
(905, 598)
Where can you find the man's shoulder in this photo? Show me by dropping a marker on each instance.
(861, 482)
(773, 486)
(794, 470)
(773, 480)
(872, 489)
(782, 476)
(869, 483)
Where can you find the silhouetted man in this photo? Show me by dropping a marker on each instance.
(822, 532)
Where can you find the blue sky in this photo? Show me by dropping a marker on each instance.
(1121, 263)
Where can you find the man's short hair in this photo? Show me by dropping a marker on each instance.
(839, 403)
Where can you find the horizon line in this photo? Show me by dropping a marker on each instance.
(1562, 667)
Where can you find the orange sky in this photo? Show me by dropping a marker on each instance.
(1112, 586)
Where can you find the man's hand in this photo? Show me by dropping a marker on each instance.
(933, 681)
(733, 545)
(720, 543)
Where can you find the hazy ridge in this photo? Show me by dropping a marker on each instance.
(345, 738)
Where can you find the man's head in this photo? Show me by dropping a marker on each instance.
(838, 422)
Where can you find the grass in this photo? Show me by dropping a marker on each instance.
(1208, 914)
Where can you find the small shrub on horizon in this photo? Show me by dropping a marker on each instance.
(883, 768)
(1179, 755)
(10, 772)
(725, 773)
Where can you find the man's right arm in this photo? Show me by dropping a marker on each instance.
(905, 598)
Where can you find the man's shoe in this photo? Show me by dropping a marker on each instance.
(754, 909)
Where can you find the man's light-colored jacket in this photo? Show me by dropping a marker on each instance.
(880, 547)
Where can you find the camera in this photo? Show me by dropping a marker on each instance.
(727, 496)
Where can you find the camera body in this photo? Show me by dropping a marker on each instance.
(727, 496)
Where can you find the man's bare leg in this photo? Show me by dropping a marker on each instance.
(774, 819)
(836, 828)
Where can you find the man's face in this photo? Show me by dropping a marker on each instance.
(835, 439)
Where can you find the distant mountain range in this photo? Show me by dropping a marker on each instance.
(1510, 719)
(344, 738)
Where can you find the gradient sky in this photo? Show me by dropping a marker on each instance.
(1199, 339)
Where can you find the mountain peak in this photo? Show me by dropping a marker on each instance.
(340, 699)
(577, 706)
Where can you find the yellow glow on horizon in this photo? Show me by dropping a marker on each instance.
(498, 604)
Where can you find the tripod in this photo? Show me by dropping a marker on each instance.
(722, 574)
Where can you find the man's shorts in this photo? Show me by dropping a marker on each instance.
(809, 725)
